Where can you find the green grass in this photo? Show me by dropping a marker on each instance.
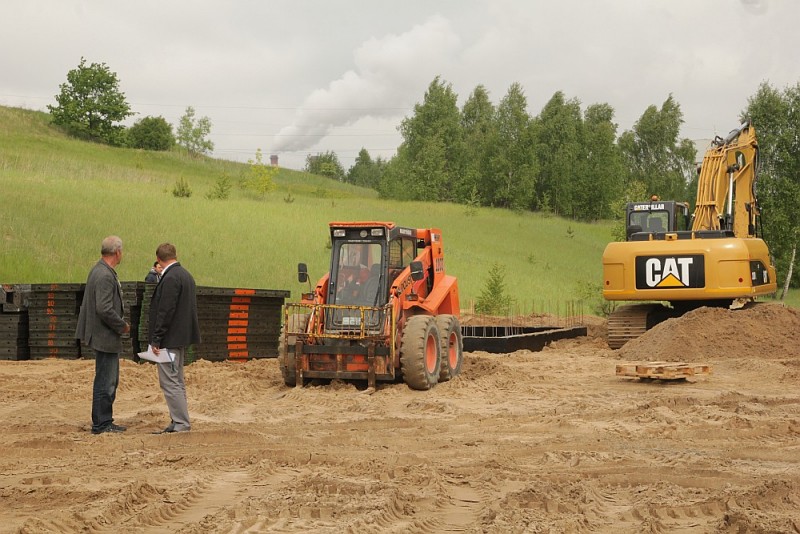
(62, 196)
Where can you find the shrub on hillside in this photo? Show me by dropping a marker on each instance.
(493, 299)
(221, 189)
(259, 177)
(151, 133)
(182, 189)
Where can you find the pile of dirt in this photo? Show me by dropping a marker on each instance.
(764, 330)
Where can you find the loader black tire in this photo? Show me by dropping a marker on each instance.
(420, 352)
(452, 346)
(286, 359)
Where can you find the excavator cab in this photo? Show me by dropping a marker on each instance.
(655, 217)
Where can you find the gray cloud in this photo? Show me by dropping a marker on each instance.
(303, 77)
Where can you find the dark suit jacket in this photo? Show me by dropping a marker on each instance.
(173, 310)
(100, 322)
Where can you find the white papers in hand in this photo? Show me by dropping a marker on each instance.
(163, 356)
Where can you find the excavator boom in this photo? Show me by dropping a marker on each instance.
(726, 198)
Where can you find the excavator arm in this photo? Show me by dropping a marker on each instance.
(726, 186)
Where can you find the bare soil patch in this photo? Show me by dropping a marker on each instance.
(547, 441)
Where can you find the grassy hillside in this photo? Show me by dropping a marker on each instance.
(62, 196)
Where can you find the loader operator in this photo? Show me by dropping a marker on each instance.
(349, 289)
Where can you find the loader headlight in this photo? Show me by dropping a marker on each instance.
(376, 232)
(339, 232)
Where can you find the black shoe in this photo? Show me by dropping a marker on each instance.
(170, 428)
(110, 428)
(119, 428)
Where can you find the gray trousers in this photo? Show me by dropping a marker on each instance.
(170, 378)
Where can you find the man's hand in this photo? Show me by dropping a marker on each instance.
(155, 348)
(126, 329)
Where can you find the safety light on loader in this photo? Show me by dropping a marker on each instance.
(376, 232)
(339, 232)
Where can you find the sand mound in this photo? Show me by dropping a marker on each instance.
(760, 331)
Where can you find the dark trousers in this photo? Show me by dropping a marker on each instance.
(106, 380)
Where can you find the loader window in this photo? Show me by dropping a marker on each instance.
(353, 270)
(401, 252)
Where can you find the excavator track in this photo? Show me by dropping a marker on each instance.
(628, 322)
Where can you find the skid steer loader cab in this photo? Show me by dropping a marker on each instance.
(364, 262)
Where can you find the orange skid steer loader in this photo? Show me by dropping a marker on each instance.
(385, 310)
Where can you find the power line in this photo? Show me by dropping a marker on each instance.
(303, 135)
(215, 106)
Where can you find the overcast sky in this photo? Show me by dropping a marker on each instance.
(294, 77)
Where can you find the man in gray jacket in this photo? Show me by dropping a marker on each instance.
(100, 326)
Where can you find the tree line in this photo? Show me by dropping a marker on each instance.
(565, 160)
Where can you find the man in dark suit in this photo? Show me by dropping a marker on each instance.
(100, 326)
(174, 326)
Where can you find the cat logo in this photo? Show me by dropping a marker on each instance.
(670, 272)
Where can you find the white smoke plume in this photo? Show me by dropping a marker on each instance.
(756, 7)
(388, 72)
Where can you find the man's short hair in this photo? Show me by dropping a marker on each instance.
(166, 252)
(110, 245)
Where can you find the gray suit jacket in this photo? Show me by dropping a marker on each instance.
(100, 322)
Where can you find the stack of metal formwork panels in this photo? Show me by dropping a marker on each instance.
(132, 293)
(14, 322)
(238, 324)
(52, 320)
(39, 321)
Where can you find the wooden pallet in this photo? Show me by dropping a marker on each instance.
(662, 370)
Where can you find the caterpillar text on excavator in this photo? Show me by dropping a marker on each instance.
(387, 309)
(718, 261)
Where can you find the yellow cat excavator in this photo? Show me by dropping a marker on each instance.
(719, 261)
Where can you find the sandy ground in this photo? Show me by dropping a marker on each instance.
(549, 441)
